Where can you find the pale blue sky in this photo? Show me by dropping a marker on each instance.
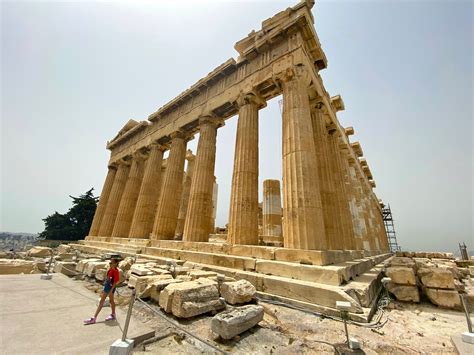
(74, 72)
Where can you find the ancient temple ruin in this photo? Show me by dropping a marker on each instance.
(330, 214)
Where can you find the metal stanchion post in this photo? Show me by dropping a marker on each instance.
(129, 314)
(467, 337)
(48, 276)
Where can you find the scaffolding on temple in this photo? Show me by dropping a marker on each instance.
(390, 228)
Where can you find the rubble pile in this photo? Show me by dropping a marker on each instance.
(435, 277)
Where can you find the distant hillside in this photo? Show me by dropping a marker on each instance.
(16, 241)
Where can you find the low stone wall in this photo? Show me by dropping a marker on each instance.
(437, 280)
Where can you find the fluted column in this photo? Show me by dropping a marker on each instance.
(113, 202)
(303, 222)
(371, 238)
(243, 214)
(199, 213)
(272, 208)
(360, 230)
(129, 198)
(331, 216)
(104, 197)
(166, 217)
(183, 207)
(143, 218)
(215, 191)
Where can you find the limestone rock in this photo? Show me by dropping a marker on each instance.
(92, 266)
(189, 299)
(402, 275)
(436, 278)
(158, 286)
(197, 274)
(140, 282)
(39, 252)
(64, 248)
(230, 323)
(443, 298)
(403, 292)
(16, 266)
(41, 266)
(67, 268)
(126, 263)
(101, 274)
(83, 263)
(401, 261)
(237, 292)
(140, 270)
(64, 256)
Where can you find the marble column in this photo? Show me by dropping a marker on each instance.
(183, 207)
(113, 202)
(303, 221)
(215, 191)
(243, 214)
(104, 197)
(272, 208)
(368, 216)
(338, 178)
(360, 230)
(199, 213)
(143, 217)
(167, 211)
(129, 198)
(328, 195)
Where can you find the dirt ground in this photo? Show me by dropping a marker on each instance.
(410, 329)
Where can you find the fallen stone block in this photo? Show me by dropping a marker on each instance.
(67, 268)
(158, 286)
(83, 263)
(126, 263)
(230, 323)
(436, 278)
(140, 270)
(16, 266)
(101, 274)
(140, 282)
(237, 292)
(443, 298)
(41, 266)
(403, 292)
(64, 256)
(39, 252)
(92, 266)
(401, 261)
(401, 275)
(63, 248)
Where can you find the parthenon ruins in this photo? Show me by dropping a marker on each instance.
(330, 213)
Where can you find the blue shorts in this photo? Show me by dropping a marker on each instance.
(108, 287)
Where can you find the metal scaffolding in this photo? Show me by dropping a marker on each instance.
(390, 228)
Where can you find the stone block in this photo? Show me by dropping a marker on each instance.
(67, 268)
(39, 252)
(81, 265)
(64, 248)
(101, 274)
(310, 257)
(404, 292)
(259, 252)
(330, 275)
(197, 274)
(402, 275)
(443, 298)
(140, 270)
(230, 323)
(41, 265)
(16, 266)
(140, 282)
(158, 286)
(126, 263)
(401, 261)
(436, 278)
(65, 256)
(92, 266)
(237, 292)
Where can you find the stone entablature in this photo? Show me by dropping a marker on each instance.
(328, 201)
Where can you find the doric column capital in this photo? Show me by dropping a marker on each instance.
(182, 134)
(250, 98)
(112, 166)
(158, 146)
(140, 155)
(297, 72)
(126, 161)
(212, 120)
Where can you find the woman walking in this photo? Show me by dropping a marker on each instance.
(111, 281)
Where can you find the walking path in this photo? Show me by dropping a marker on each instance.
(46, 317)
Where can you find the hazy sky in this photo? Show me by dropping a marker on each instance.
(74, 72)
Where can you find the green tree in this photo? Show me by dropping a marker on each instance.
(75, 224)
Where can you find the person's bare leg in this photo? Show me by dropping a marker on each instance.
(103, 295)
(112, 301)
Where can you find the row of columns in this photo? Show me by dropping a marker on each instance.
(326, 203)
